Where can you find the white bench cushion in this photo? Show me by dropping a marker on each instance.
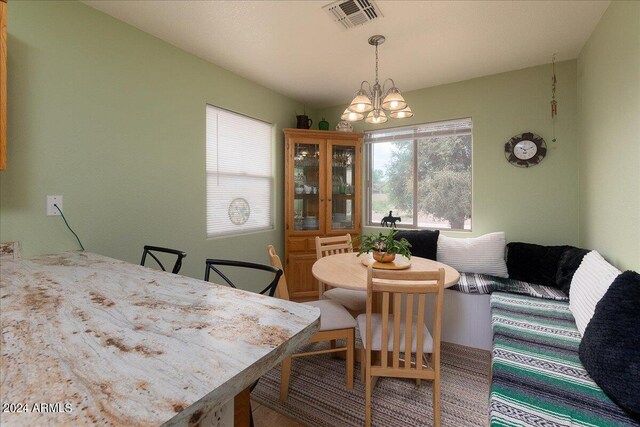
(589, 284)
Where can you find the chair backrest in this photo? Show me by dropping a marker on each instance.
(282, 291)
(333, 245)
(394, 287)
(151, 249)
(214, 264)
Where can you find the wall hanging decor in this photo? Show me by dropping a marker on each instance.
(525, 150)
(554, 103)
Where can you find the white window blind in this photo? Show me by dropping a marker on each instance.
(239, 173)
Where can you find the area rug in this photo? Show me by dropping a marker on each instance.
(318, 396)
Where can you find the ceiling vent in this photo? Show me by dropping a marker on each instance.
(351, 13)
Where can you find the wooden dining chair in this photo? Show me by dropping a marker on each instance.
(336, 323)
(151, 250)
(354, 301)
(397, 333)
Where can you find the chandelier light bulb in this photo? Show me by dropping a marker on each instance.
(405, 113)
(351, 116)
(376, 117)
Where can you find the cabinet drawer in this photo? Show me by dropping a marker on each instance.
(297, 244)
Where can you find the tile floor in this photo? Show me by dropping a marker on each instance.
(266, 417)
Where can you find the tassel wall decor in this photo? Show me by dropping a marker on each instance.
(554, 103)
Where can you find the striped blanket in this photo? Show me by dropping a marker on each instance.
(471, 283)
(538, 379)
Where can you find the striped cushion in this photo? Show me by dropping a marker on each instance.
(484, 284)
(589, 284)
(482, 255)
(538, 379)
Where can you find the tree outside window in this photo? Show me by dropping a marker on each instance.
(426, 170)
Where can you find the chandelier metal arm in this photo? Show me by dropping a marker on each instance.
(367, 90)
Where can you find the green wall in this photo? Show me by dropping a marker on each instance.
(539, 204)
(609, 117)
(113, 119)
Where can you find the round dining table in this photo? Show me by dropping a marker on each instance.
(348, 271)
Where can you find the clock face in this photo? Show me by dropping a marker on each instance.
(239, 211)
(525, 150)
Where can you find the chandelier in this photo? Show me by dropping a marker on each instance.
(373, 103)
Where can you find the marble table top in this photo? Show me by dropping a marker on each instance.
(102, 341)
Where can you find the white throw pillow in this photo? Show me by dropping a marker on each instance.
(589, 284)
(481, 255)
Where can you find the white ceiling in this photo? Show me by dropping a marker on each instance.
(294, 48)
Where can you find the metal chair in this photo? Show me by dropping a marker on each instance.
(151, 249)
(213, 264)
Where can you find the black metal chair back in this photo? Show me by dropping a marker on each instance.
(213, 264)
(151, 249)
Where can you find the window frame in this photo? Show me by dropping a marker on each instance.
(273, 175)
(368, 167)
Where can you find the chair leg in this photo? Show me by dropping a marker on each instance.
(332, 345)
(367, 393)
(350, 357)
(436, 398)
(284, 379)
(363, 363)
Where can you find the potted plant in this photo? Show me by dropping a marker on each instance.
(384, 247)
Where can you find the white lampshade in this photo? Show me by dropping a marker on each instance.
(351, 116)
(376, 120)
(361, 103)
(393, 101)
(405, 113)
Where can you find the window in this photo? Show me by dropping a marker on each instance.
(421, 174)
(239, 173)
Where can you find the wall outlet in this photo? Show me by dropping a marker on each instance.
(54, 200)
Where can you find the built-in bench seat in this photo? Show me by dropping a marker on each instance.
(538, 378)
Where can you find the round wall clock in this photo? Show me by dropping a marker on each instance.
(524, 150)
(239, 211)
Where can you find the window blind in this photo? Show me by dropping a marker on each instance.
(239, 173)
(428, 130)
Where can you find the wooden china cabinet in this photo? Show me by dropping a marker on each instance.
(323, 197)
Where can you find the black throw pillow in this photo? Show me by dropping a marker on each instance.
(569, 262)
(534, 263)
(610, 347)
(424, 243)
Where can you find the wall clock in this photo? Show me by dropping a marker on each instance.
(239, 211)
(525, 150)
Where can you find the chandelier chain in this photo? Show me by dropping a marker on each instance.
(376, 63)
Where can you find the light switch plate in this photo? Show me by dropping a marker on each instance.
(54, 200)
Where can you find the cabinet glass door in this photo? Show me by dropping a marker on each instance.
(343, 183)
(306, 175)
